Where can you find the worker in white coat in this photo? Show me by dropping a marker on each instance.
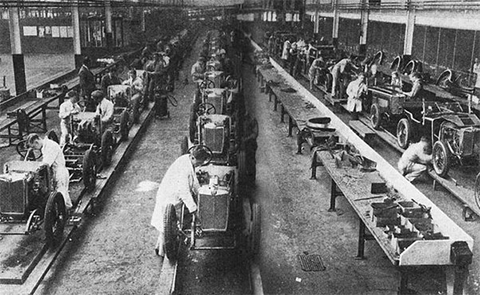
(179, 185)
(355, 91)
(53, 156)
(415, 159)
(67, 109)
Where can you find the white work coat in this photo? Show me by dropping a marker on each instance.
(354, 92)
(66, 109)
(177, 186)
(105, 109)
(286, 49)
(414, 154)
(53, 156)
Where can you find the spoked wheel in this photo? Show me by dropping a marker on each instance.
(375, 116)
(107, 148)
(55, 219)
(52, 135)
(477, 189)
(202, 147)
(32, 222)
(27, 153)
(136, 110)
(441, 158)
(171, 232)
(124, 126)
(89, 170)
(404, 133)
(206, 108)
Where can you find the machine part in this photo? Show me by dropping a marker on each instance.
(107, 148)
(55, 219)
(89, 170)
(477, 189)
(318, 123)
(124, 126)
(33, 222)
(136, 110)
(52, 135)
(172, 100)
(375, 116)
(255, 230)
(171, 232)
(206, 83)
(441, 158)
(206, 108)
(184, 146)
(404, 132)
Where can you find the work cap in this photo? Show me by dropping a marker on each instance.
(97, 94)
(72, 93)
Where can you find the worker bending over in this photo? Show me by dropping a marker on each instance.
(179, 185)
(339, 71)
(198, 70)
(53, 156)
(67, 109)
(415, 159)
(356, 90)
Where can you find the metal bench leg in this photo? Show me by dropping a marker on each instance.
(403, 286)
(290, 126)
(44, 119)
(282, 114)
(361, 241)
(455, 277)
(275, 102)
(333, 195)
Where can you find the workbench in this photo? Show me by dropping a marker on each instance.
(355, 186)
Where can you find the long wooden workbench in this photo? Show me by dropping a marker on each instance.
(425, 252)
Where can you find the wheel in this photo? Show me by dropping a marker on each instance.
(89, 170)
(404, 133)
(55, 219)
(206, 108)
(255, 230)
(124, 126)
(27, 153)
(477, 189)
(204, 147)
(242, 166)
(107, 148)
(184, 146)
(136, 110)
(441, 158)
(375, 116)
(32, 222)
(52, 135)
(171, 232)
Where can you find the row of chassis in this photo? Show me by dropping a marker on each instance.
(27, 193)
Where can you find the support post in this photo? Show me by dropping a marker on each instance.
(77, 47)
(17, 55)
(336, 22)
(108, 24)
(409, 28)
(361, 241)
(333, 196)
(362, 49)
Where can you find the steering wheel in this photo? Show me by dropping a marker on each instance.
(206, 149)
(26, 152)
(206, 108)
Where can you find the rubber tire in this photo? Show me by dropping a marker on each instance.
(375, 116)
(184, 146)
(171, 232)
(55, 216)
(124, 129)
(89, 171)
(136, 110)
(255, 232)
(477, 190)
(107, 148)
(52, 135)
(440, 150)
(405, 124)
